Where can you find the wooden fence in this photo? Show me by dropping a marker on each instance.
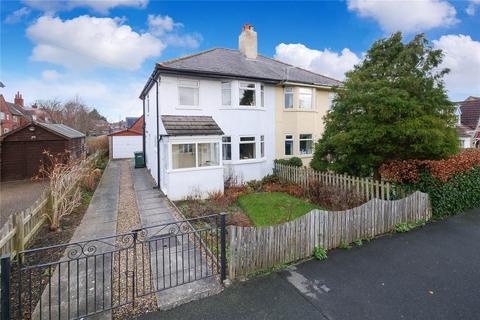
(22, 226)
(365, 187)
(258, 248)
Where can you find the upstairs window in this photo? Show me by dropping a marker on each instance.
(288, 98)
(226, 93)
(288, 145)
(331, 98)
(247, 148)
(306, 144)
(305, 98)
(262, 96)
(227, 148)
(247, 93)
(188, 92)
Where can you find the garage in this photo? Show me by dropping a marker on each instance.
(22, 149)
(124, 143)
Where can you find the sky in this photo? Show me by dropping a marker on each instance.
(104, 51)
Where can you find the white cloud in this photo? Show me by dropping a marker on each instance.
(325, 62)
(462, 56)
(101, 6)
(406, 16)
(169, 32)
(17, 15)
(471, 9)
(49, 75)
(88, 42)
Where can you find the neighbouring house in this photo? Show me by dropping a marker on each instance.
(22, 149)
(468, 122)
(11, 114)
(225, 114)
(36, 114)
(124, 143)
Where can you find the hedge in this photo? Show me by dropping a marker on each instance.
(294, 162)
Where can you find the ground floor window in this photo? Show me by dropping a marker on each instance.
(262, 146)
(247, 148)
(227, 148)
(306, 144)
(192, 155)
(288, 145)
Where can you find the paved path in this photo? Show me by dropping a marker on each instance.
(429, 273)
(100, 220)
(176, 261)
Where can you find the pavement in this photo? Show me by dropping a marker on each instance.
(429, 273)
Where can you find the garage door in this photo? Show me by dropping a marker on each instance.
(125, 146)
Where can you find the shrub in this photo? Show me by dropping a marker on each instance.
(320, 253)
(334, 198)
(294, 162)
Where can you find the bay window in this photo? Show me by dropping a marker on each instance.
(227, 148)
(188, 92)
(195, 155)
(306, 144)
(288, 98)
(247, 93)
(288, 145)
(305, 98)
(247, 148)
(226, 93)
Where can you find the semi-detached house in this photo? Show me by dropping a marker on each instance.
(225, 114)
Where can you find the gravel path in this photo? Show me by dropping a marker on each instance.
(124, 261)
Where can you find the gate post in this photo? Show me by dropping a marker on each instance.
(223, 246)
(5, 286)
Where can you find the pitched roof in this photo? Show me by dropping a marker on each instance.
(14, 109)
(61, 129)
(232, 62)
(190, 126)
(130, 121)
(470, 109)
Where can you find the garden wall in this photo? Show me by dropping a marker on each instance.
(258, 248)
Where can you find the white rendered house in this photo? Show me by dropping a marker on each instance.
(210, 117)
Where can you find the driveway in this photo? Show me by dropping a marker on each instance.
(429, 273)
(18, 195)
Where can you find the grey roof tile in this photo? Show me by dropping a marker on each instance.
(62, 130)
(190, 125)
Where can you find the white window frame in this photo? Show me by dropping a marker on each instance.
(288, 91)
(262, 146)
(196, 143)
(293, 144)
(190, 86)
(300, 140)
(244, 86)
(300, 94)
(229, 90)
(227, 143)
(254, 141)
(262, 95)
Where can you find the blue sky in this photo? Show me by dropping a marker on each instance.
(103, 51)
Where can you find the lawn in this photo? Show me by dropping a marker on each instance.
(267, 208)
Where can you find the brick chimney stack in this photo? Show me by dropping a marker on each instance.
(18, 99)
(247, 42)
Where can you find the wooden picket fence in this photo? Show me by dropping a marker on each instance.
(365, 187)
(254, 249)
(22, 226)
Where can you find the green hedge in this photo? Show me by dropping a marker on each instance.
(460, 193)
(294, 161)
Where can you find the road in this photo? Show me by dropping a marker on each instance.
(429, 273)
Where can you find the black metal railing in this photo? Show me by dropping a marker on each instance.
(107, 273)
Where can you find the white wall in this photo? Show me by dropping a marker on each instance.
(124, 146)
(151, 132)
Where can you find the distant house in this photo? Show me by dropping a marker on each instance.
(22, 149)
(11, 114)
(468, 122)
(130, 121)
(124, 143)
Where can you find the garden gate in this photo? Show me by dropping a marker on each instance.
(104, 274)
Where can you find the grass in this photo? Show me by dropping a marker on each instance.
(268, 208)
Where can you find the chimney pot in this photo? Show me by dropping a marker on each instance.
(247, 42)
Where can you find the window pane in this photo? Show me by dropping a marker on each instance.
(247, 97)
(247, 151)
(227, 148)
(288, 98)
(247, 139)
(188, 96)
(289, 137)
(226, 94)
(305, 98)
(262, 146)
(288, 147)
(262, 95)
(183, 156)
(247, 85)
(305, 136)
(226, 139)
(188, 83)
(306, 144)
(208, 154)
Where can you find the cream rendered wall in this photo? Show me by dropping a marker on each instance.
(298, 121)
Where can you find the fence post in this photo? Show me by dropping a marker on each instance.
(19, 232)
(5, 286)
(223, 247)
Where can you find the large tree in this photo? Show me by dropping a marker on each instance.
(392, 106)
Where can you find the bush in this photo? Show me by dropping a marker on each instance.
(320, 253)
(294, 162)
(334, 198)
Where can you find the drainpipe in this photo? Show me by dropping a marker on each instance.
(143, 135)
(158, 139)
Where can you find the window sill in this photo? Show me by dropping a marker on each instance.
(243, 108)
(300, 110)
(246, 161)
(189, 107)
(194, 169)
(298, 156)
